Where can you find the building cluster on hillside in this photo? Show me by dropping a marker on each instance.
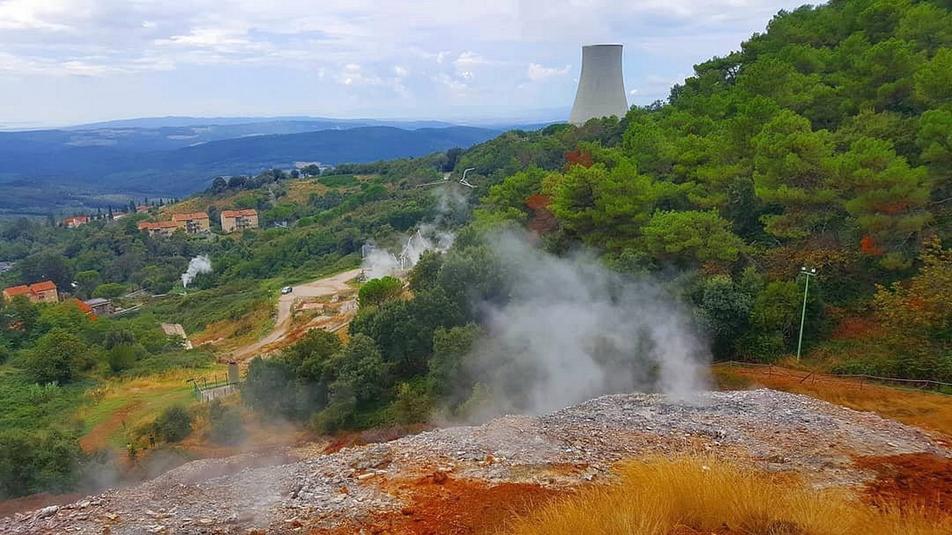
(46, 292)
(198, 222)
(232, 220)
(78, 220)
(38, 292)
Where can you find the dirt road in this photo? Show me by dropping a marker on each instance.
(319, 288)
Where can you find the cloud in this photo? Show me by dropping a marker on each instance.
(537, 72)
(434, 52)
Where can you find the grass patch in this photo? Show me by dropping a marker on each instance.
(697, 495)
(914, 407)
(338, 181)
(117, 408)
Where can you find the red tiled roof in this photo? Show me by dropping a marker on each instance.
(25, 289)
(186, 217)
(16, 290)
(42, 286)
(247, 212)
(77, 219)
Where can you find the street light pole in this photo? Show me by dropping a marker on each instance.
(803, 313)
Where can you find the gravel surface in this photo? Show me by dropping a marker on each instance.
(293, 491)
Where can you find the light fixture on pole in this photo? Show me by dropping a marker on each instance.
(803, 313)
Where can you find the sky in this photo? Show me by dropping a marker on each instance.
(74, 61)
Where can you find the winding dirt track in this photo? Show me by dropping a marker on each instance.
(320, 288)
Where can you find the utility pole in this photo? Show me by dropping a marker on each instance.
(803, 314)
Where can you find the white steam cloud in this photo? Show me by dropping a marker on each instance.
(573, 330)
(378, 262)
(199, 264)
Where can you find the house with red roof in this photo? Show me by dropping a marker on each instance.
(39, 292)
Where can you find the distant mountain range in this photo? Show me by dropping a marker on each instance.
(180, 155)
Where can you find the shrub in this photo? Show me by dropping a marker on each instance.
(413, 403)
(174, 424)
(57, 357)
(226, 425)
(124, 356)
(37, 462)
(377, 291)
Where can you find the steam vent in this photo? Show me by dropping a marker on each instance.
(601, 89)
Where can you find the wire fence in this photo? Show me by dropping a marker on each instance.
(922, 384)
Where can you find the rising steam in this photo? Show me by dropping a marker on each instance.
(378, 262)
(199, 264)
(573, 330)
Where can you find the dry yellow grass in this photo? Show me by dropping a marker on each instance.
(923, 409)
(700, 495)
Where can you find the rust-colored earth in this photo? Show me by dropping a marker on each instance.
(910, 480)
(441, 505)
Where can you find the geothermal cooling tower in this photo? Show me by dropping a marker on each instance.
(601, 89)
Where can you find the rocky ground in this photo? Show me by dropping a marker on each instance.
(306, 491)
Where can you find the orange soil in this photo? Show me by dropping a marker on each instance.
(927, 410)
(910, 480)
(98, 436)
(440, 505)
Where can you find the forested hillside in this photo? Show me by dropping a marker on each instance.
(824, 143)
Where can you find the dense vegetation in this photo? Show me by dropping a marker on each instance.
(822, 143)
(50, 355)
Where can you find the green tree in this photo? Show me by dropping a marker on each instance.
(792, 169)
(376, 291)
(86, 282)
(607, 207)
(691, 237)
(39, 461)
(58, 356)
(361, 366)
(883, 193)
(934, 79)
(724, 310)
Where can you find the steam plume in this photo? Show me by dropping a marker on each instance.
(377, 262)
(573, 330)
(199, 264)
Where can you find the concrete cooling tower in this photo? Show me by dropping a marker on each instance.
(601, 89)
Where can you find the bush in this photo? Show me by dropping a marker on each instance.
(37, 462)
(57, 357)
(124, 356)
(173, 425)
(413, 403)
(226, 424)
(377, 291)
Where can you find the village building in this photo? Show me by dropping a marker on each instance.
(100, 306)
(159, 228)
(39, 292)
(232, 220)
(142, 209)
(192, 223)
(75, 221)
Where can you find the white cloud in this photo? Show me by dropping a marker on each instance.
(478, 50)
(537, 72)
